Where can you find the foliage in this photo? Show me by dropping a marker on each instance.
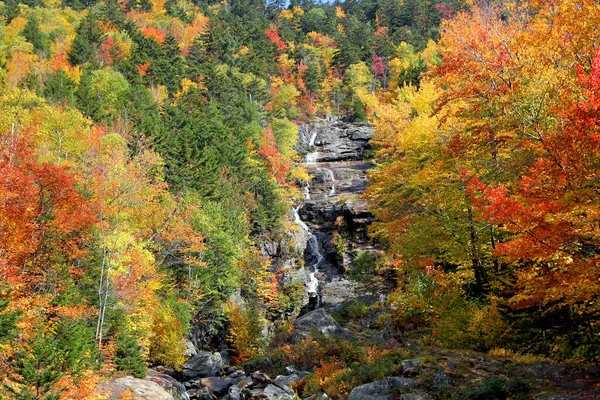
(478, 177)
(128, 356)
(245, 333)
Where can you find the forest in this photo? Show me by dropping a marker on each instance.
(149, 154)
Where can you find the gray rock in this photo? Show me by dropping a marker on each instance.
(287, 380)
(385, 389)
(411, 367)
(202, 365)
(143, 389)
(235, 393)
(260, 364)
(441, 380)
(205, 394)
(170, 384)
(190, 349)
(218, 386)
(320, 396)
(411, 396)
(273, 392)
(318, 320)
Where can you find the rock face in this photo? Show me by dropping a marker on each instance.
(335, 157)
(203, 364)
(318, 320)
(141, 389)
(385, 389)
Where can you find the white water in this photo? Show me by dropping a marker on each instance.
(313, 283)
(307, 191)
(310, 158)
(298, 221)
(313, 138)
(331, 175)
(315, 250)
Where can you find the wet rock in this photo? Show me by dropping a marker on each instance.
(141, 388)
(385, 389)
(411, 367)
(318, 320)
(204, 364)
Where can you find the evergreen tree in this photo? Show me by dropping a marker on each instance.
(129, 356)
(37, 370)
(60, 88)
(39, 40)
(85, 43)
(8, 320)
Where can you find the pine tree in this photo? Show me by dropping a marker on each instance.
(129, 356)
(37, 371)
(8, 319)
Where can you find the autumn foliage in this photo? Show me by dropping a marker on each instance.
(494, 159)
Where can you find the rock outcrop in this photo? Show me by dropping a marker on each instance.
(335, 158)
(203, 364)
(385, 389)
(139, 389)
(318, 320)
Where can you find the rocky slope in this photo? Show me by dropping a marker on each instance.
(331, 231)
(335, 157)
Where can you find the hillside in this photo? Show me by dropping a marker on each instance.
(196, 190)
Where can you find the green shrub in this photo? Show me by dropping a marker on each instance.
(128, 356)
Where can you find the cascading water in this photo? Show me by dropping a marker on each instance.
(331, 179)
(315, 253)
(299, 221)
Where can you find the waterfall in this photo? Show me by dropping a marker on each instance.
(315, 252)
(313, 138)
(307, 191)
(299, 221)
(310, 158)
(331, 179)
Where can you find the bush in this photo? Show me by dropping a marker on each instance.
(128, 356)
(245, 333)
(167, 346)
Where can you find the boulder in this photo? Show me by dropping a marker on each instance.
(202, 365)
(205, 394)
(385, 389)
(235, 393)
(318, 320)
(411, 367)
(170, 384)
(441, 380)
(273, 392)
(218, 386)
(190, 349)
(411, 396)
(141, 389)
(287, 380)
(260, 364)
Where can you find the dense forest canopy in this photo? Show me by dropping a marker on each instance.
(148, 148)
